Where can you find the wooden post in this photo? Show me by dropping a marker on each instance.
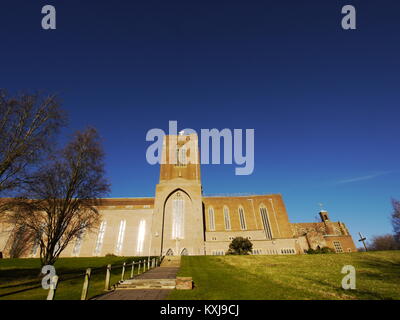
(144, 265)
(108, 276)
(123, 271)
(85, 288)
(133, 268)
(53, 288)
(138, 270)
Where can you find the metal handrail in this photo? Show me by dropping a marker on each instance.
(77, 274)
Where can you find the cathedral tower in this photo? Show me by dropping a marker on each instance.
(177, 224)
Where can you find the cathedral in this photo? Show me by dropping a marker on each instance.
(179, 220)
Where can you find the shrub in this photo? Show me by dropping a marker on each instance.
(323, 250)
(110, 255)
(240, 245)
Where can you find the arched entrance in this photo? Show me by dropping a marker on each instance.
(169, 252)
(184, 252)
(176, 217)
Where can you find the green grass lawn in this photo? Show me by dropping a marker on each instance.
(291, 277)
(14, 273)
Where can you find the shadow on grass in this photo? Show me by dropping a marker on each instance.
(32, 276)
(340, 292)
(386, 266)
(380, 273)
(24, 281)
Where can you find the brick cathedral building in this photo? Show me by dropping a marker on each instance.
(179, 220)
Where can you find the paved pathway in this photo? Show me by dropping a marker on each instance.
(145, 294)
(168, 271)
(159, 273)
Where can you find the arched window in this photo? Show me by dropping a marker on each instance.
(35, 247)
(242, 219)
(100, 238)
(36, 243)
(183, 156)
(141, 236)
(211, 219)
(177, 216)
(181, 160)
(227, 218)
(78, 243)
(265, 221)
(121, 235)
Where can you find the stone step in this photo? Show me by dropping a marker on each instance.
(147, 284)
(171, 261)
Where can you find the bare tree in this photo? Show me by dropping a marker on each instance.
(19, 241)
(384, 242)
(61, 198)
(28, 122)
(396, 219)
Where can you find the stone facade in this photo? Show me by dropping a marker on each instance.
(179, 220)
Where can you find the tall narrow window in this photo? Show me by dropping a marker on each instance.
(177, 217)
(242, 219)
(141, 235)
(211, 219)
(36, 243)
(177, 156)
(78, 244)
(227, 219)
(100, 238)
(120, 240)
(265, 221)
(181, 156)
(35, 247)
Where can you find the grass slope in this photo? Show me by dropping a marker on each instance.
(291, 277)
(15, 272)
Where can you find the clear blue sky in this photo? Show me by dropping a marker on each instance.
(324, 102)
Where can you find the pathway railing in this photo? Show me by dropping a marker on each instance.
(133, 269)
(142, 266)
